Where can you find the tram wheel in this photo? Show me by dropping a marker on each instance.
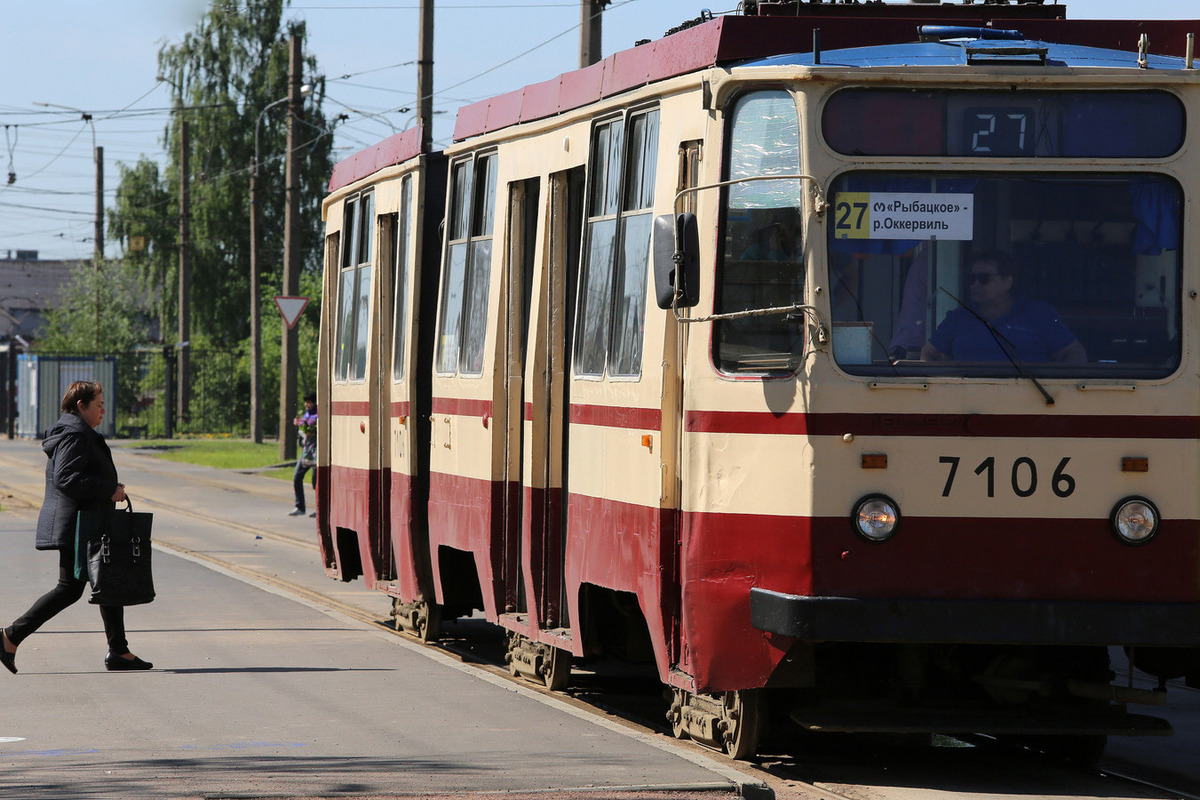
(742, 720)
(679, 699)
(429, 622)
(556, 672)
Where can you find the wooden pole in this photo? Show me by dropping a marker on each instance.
(291, 260)
(425, 76)
(589, 31)
(183, 362)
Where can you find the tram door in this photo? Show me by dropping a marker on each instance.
(325, 356)
(351, 514)
(549, 310)
(379, 543)
(400, 421)
(519, 286)
(690, 156)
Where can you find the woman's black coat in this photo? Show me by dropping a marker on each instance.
(80, 475)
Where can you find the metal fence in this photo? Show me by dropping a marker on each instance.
(144, 402)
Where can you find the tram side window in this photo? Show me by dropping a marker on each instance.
(1006, 273)
(762, 265)
(464, 310)
(402, 253)
(612, 298)
(354, 289)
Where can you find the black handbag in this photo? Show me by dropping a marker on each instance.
(115, 546)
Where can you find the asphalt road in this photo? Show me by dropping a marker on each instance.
(265, 691)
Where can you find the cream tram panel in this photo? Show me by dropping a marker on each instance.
(461, 445)
(823, 476)
(348, 446)
(351, 435)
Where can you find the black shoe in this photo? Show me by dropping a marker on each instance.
(114, 662)
(9, 660)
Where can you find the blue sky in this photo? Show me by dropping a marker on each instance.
(100, 57)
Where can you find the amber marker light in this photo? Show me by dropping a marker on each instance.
(874, 461)
(1135, 464)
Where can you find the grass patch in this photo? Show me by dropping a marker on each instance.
(232, 454)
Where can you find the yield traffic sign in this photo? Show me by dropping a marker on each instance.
(290, 308)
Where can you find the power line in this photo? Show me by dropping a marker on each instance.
(530, 50)
(47, 210)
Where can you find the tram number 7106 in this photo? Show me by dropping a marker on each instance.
(1023, 476)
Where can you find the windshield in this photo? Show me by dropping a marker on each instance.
(762, 261)
(1052, 275)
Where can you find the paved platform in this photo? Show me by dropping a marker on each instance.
(260, 691)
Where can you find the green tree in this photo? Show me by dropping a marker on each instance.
(103, 310)
(223, 75)
(146, 213)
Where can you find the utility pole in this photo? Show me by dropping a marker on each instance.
(183, 393)
(99, 233)
(99, 236)
(589, 31)
(256, 433)
(291, 259)
(425, 76)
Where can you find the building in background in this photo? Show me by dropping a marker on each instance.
(29, 288)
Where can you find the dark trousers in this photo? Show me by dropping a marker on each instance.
(66, 593)
(298, 482)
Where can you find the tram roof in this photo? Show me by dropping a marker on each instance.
(733, 40)
(849, 36)
(393, 150)
(958, 52)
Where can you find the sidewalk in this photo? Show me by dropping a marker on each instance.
(252, 502)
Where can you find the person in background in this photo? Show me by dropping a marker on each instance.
(80, 476)
(306, 429)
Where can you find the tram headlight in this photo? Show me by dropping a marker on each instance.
(875, 518)
(1135, 520)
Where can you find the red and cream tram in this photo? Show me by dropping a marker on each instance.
(841, 355)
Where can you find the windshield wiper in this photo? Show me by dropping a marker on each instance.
(1005, 346)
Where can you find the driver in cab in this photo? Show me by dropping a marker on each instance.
(1000, 325)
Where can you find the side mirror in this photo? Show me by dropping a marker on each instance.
(676, 272)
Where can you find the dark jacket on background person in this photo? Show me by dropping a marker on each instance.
(80, 475)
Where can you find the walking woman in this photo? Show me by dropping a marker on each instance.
(80, 476)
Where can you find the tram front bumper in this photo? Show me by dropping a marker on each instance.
(852, 619)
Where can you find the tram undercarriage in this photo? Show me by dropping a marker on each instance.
(1057, 699)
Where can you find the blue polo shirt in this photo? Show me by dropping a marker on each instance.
(1033, 331)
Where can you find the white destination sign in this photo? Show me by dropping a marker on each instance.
(904, 215)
